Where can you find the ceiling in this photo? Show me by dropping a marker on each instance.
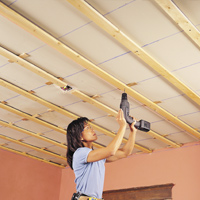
(62, 59)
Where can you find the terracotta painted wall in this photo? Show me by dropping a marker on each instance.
(179, 166)
(23, 178)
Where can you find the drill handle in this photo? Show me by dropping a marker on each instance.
(128, 118)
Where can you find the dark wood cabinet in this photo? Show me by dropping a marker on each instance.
(157, 192)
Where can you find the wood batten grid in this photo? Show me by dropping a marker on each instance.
(180, 19)
(36, 135)
(53, 80)
(55, 108)
(37, 120)
(42, 150)
(77, 93)
(62, 48)
(32, 118)
(116, 33)
(30, 156)
(17, 59)
(24, 115)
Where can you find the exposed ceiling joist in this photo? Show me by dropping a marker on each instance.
(30, 156)
(36, 135)
(180, 19)
(77, 93)
(116, 33)
(62, 48)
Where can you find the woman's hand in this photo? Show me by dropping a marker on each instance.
(131, 126)
(120, 118)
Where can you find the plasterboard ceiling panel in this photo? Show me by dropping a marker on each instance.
(187, 72)
(40, 154)
(164, 127)
(174, 52)
(36, 142)
(55, 16)
(143, 139)
(109, 123)
(57, 150)
(145, 113)
(112, 99)
(90, 37)
(12, 133)
(17, 147)
(89, 83)
(190, 9)
(56, 118)
(2, 141)
(174, 106)
(86, 109)
(16, 39)
(8, 116)
(80, 38)
(32, 126)
(151, 143)
(105, 7)
(22, 77)
(131, 68)
(136, 151)
(26, 105)
(54, 62)
(191, 118)
(140, 20)
(3, 61)
(56, 95)
(55, 136)
(9, 2)
(7, 94)
(182, 137)
(141, 135)
(156, 89)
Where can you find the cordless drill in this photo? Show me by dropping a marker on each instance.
(140, 125)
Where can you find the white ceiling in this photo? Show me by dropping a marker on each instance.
(92, 56)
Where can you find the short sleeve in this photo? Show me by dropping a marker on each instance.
(80, 156)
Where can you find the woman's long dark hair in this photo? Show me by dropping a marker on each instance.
(74, 130)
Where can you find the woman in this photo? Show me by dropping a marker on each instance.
(88, 164)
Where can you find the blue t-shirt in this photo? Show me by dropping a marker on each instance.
(89, 176)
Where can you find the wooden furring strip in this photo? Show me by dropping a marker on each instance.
(32, 147)
(77, 93)
(60, 110)
(12, 126)
(31, 67)
(116, 33)
(80, 60)
(30, 117)
(180, 19)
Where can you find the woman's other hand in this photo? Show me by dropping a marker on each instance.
(120, 118)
